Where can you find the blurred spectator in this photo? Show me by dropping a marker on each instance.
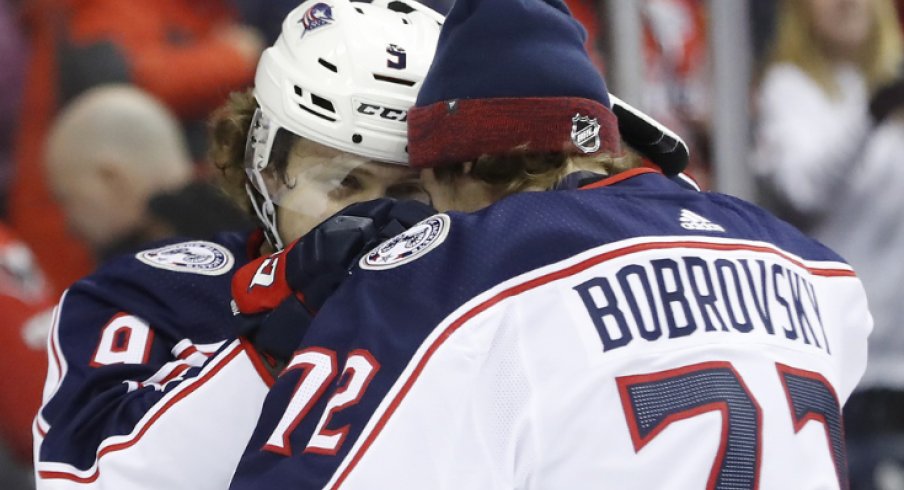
(111, 153)
(812, 103)
(187, 53)
(676, 71)
(871, 203)
(835, 171)
(12, 52)
(677, 89)
(26, 305)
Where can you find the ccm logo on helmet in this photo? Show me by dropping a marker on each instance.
(387, 113)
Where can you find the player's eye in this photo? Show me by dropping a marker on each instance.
(346, 187)
(351, 183)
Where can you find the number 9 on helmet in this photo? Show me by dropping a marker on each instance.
(343, 75)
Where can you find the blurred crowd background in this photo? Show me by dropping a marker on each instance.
(794, 104)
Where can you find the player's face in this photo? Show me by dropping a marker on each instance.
(321, 181)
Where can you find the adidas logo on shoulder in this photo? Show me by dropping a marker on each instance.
(693, 221)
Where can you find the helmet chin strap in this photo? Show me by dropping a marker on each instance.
(265, 209)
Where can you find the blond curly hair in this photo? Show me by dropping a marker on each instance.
(228, 132)
(521, 171)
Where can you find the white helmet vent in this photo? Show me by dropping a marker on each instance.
(344, 73)
(319, 106)
(323, 103)
(315, 113)
(399, 81)
(329, 66)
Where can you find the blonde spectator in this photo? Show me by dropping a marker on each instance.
(812, 103)
(818, 35)
(831, 167)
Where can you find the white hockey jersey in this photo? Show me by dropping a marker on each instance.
(629, 335)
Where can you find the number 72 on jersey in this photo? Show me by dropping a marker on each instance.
(651, 403)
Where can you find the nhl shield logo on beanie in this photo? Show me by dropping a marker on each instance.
(585, 133)
(507, 75)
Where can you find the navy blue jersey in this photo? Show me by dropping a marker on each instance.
(147, 384)
(548, 340)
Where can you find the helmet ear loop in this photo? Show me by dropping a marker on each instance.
(255, 162)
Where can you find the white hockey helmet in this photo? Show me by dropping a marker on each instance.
(342, 74)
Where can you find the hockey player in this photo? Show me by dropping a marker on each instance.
(564, 323)
(149, 384)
